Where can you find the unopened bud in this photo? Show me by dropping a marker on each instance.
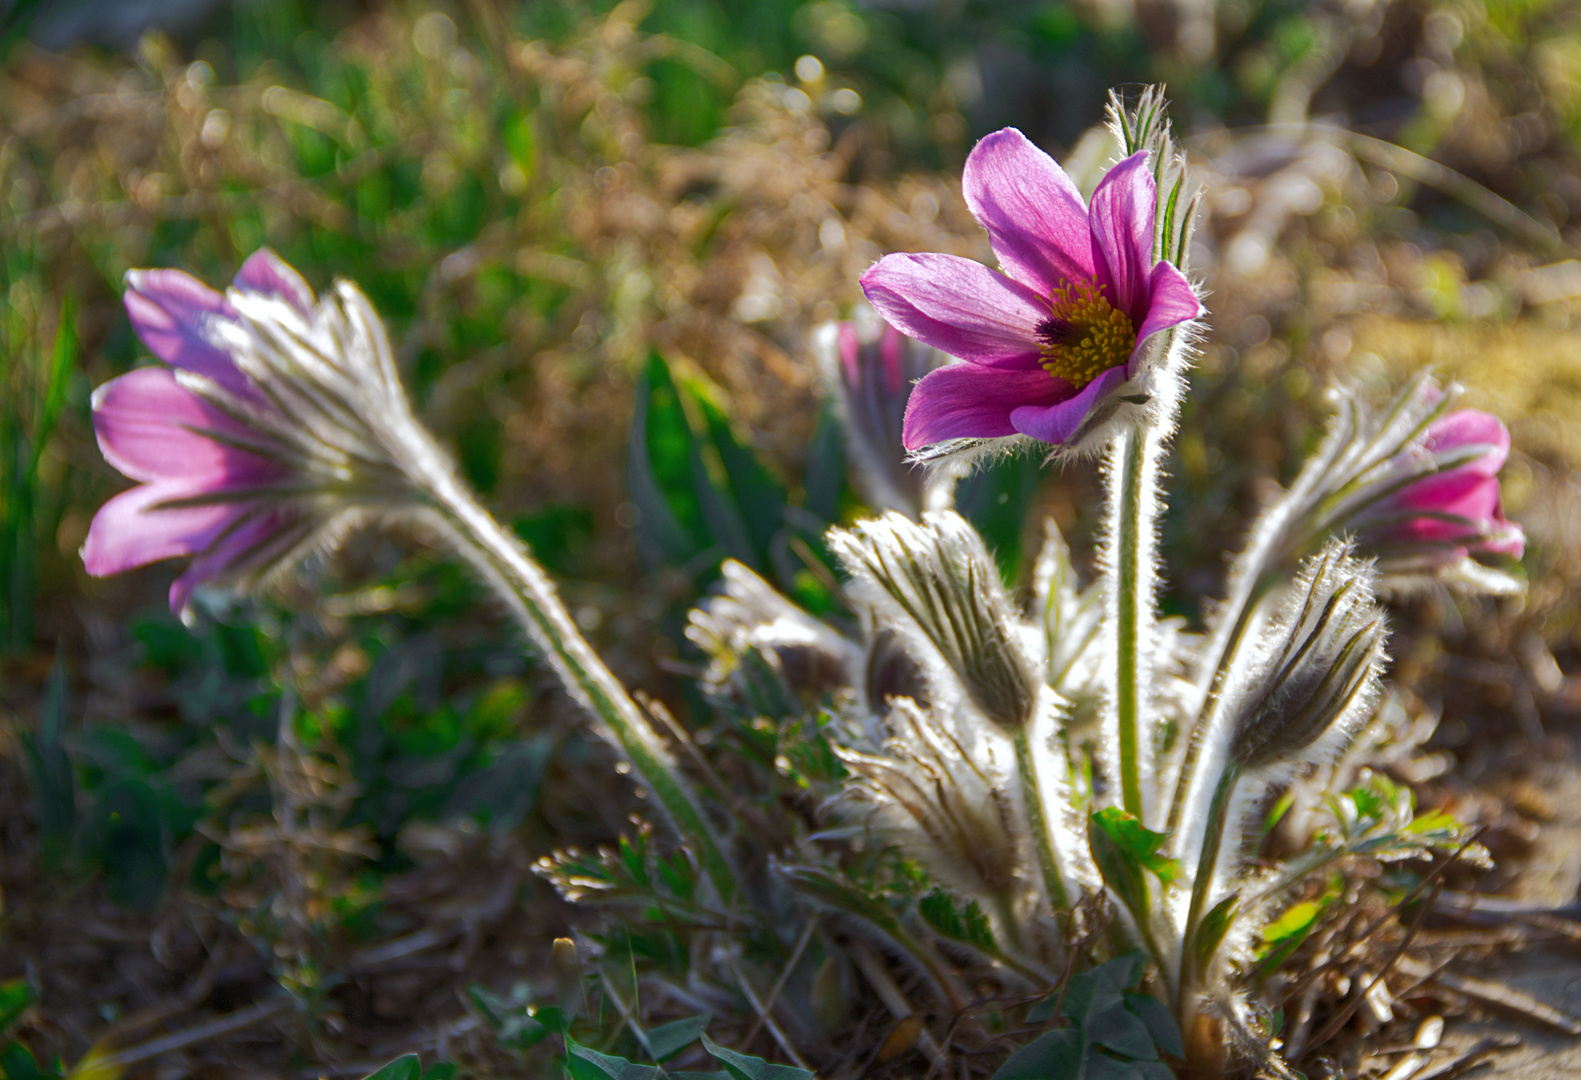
(940, 584)
(941, 806)
(1321, 664)
(871, 367)
(748, 625)
(1417, 487)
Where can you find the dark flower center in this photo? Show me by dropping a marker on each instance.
(1084, 335)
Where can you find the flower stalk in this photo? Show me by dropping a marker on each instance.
(1037, 822)
(1132, 480)
(506, 566)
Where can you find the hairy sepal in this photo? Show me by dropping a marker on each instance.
(936, 584)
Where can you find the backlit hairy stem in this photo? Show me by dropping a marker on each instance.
(505, 564)
(1132, 480)
(1223, 647)
(1042, 841)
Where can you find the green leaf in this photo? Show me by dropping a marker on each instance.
(129, 835)
(669, 526)
(582, 1063)
(996, 499)
(1139, 842)
(1119, 870)
(1296, 921)
(559, 535)
(1054, 1054)
(1098, 1067)
(54, 784)
(1124, 848)
(746, 1067)
(1160, 1022)
(15, 996)
(836, 892)
(969, 925)
(1277, 812)
(1104, 1014)
(1286, 933)
(18, 1063)
(1094, 1002)
(521, 142)
(824, 478)
(756, 498)
(696, 487)
(405, 1067)
(1211, 930)
(402, 1068)
(514, 1020)
(667, 1040)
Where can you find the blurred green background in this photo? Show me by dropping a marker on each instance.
(583, 221)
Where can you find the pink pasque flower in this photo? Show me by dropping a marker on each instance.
(1454, 510)
(256, 443)
(1062, 327)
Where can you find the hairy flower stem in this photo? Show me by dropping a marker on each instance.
(1222, 650)
(505, 565)
(1202, 882)
(1265, 562)
(1132, 480)
(1032, 797)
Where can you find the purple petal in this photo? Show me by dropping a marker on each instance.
(967, 401)
(130, 530)
(1034, 215)
(1057, 422)
(1460, 492)
(245, 546)
(1471, 427)
(145, 424)
(265, 272)
(959, 307)
(1121, 217)
(170, 310)
(1173, 301)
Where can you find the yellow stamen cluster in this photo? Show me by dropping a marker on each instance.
(1085, 335)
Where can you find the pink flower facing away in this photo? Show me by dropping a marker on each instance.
(1454, 510)
(872, 369)
(237, 467)
(1062, 327)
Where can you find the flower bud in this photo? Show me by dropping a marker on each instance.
(871, 367)
(953, 814)
(1320, 664)
(1441, 495)
(939, 585)
(1416, 486)
(748, 622)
